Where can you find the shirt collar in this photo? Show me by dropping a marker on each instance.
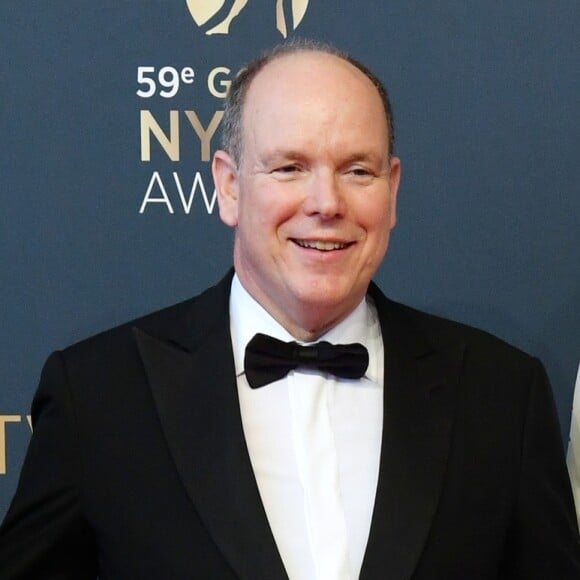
(248, 317)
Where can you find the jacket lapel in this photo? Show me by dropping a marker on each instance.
(419, 403)
(192, 378)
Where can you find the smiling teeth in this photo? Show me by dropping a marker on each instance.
(324, 246)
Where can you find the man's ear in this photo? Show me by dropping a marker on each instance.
(394, 182)
(225, 177)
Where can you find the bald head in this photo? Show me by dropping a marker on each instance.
(232, 122)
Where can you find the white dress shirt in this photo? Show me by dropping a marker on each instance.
(314, 442)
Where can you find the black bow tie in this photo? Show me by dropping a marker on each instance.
(268, 359)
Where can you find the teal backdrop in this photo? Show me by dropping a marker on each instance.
(108, 207)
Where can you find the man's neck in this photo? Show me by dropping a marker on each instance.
(304, 322)
(311, 325)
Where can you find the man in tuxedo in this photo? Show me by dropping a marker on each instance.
(292, 422)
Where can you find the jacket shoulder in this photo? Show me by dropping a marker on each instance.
(188, 322)
(438, 331)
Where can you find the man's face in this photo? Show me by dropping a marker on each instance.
(313, 198)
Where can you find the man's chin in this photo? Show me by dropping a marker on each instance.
(328, 292)
(323, 308)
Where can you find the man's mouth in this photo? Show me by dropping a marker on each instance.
(321, 245)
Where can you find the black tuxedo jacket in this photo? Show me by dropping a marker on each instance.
(138, 468)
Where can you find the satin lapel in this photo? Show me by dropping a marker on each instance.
(419, 403)
(196, 398)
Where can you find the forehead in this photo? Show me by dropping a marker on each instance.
(294, 86)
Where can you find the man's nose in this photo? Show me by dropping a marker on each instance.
(324, 196)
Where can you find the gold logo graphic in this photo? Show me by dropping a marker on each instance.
(289, 14)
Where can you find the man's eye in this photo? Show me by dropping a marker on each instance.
(360, 172)
(286, 171)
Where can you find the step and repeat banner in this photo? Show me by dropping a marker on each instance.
(110, 113)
